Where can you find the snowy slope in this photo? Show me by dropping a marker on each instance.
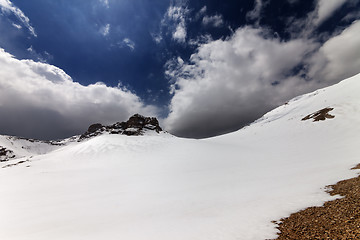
(22, 148)
(157, 187)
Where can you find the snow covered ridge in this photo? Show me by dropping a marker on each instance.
(160, 187)
(136, 125)
(15, 147)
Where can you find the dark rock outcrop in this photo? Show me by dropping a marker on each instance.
(93, 128)
(6, 154)
(135, 126)
(320, 115)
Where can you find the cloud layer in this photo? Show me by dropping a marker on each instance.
(339, 57)
(232, 82)
(42, 101)
(229, 83)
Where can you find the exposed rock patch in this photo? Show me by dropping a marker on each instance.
(6, 154)
(15, 164)
(93, 128)
(135, 126)
(320, 115)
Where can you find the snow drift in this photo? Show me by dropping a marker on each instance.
(158, 186)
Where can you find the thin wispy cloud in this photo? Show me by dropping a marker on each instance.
(8, 7)
(17, 26)
(174, 21)
(177, 15)
(255, 14)
(41, 57)
(203, 10)
(215, 21)
(323, 10)
(105, 3)
(157, 37)
(128, 43)
(105, 30)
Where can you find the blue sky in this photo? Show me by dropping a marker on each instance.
(203, 67)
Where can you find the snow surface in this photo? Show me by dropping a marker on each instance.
(27, 147)
(160, 187)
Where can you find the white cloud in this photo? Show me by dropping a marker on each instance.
(203, 10)
(41, 100)
(174, 23)
(179, 34)
(201, 13)
(325, 8)
(105, 30)
(7, 6)
(215, 21)
(105, 3)
(129, 43)
(157, 37)
(17, 26)
(178, 15)
(339, 57)
(175, 19)
(231, 82)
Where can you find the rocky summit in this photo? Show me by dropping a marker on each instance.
(135, 126)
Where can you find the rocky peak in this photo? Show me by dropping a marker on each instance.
(135, 126)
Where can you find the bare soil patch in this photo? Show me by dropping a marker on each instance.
(338, 219)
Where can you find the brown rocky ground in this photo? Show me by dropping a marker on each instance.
(338, 219)
(320, 115)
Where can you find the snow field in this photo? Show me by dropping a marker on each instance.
(163, 187)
